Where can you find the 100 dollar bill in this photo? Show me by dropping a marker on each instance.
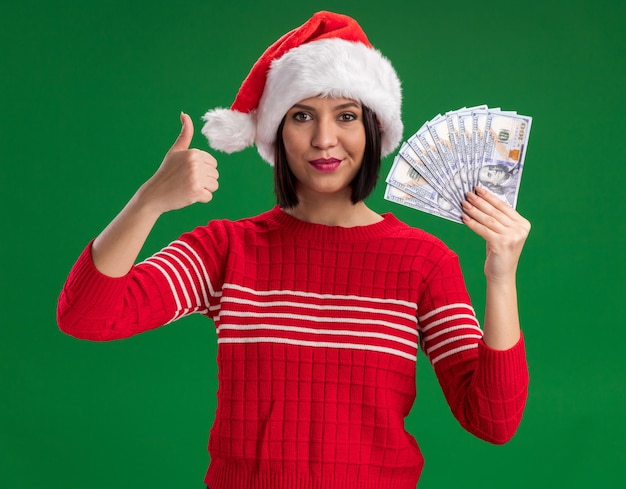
(407, 179)
(503, 158)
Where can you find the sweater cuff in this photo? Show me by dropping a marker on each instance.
(503, 366)
(87, 287)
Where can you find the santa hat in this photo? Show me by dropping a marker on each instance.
(329, 55)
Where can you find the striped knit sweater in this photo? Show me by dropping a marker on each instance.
(318, 330)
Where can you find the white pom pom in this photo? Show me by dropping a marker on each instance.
(228, 130)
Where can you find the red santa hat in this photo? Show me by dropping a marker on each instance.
(328, 56)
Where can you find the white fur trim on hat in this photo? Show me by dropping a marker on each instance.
(228, 130)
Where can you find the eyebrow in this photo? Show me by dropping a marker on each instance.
(337, 107)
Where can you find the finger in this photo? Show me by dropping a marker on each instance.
(209, 181)
(483, 231)
(513, 218)
(186, 134)
(508, 231)
(486, 214)
(208, 187)
(210, 160)
(212, 185)
(498, 203)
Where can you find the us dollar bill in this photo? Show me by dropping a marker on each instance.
(439, 131)
(396, 195)
(407, 179)
(458, 149)
(501, 167)
(415, 157)
(424, 143)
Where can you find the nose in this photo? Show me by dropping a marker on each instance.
(325, 133)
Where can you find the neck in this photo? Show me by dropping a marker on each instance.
(333, 210)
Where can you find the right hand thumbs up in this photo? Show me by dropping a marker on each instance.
(186, 176)
(186, 134)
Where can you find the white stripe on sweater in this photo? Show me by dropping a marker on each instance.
(319, 307)
(445, 308)
(431, 336)
(452, 340)
(317, 319)
(172, 288)
(174, 263)
(447, 319)
(319, 344)
(333, 332)
(298, 293)
(205, 273)
(192, 285)
(193, 265)
(454, 351)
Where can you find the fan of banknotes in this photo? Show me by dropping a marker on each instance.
(456, 152)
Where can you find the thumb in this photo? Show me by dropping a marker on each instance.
(186, 134)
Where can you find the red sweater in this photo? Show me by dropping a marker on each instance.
(318, 330)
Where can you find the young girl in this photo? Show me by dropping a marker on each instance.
(320, 303)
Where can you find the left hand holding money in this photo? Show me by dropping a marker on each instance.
(505, 232)
(502, 227)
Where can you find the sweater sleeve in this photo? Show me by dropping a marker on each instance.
(486, 389)
(177, 281)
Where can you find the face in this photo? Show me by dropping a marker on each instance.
(324, 142)
(492, 174)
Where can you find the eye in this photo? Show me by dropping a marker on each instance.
(301, 116)
(347, 117)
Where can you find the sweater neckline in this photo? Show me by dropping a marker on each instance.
(323, 233)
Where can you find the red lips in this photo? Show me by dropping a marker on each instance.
(325, 164)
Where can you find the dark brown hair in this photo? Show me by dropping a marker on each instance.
(364, 181)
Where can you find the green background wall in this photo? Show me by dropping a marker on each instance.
(90, 94)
